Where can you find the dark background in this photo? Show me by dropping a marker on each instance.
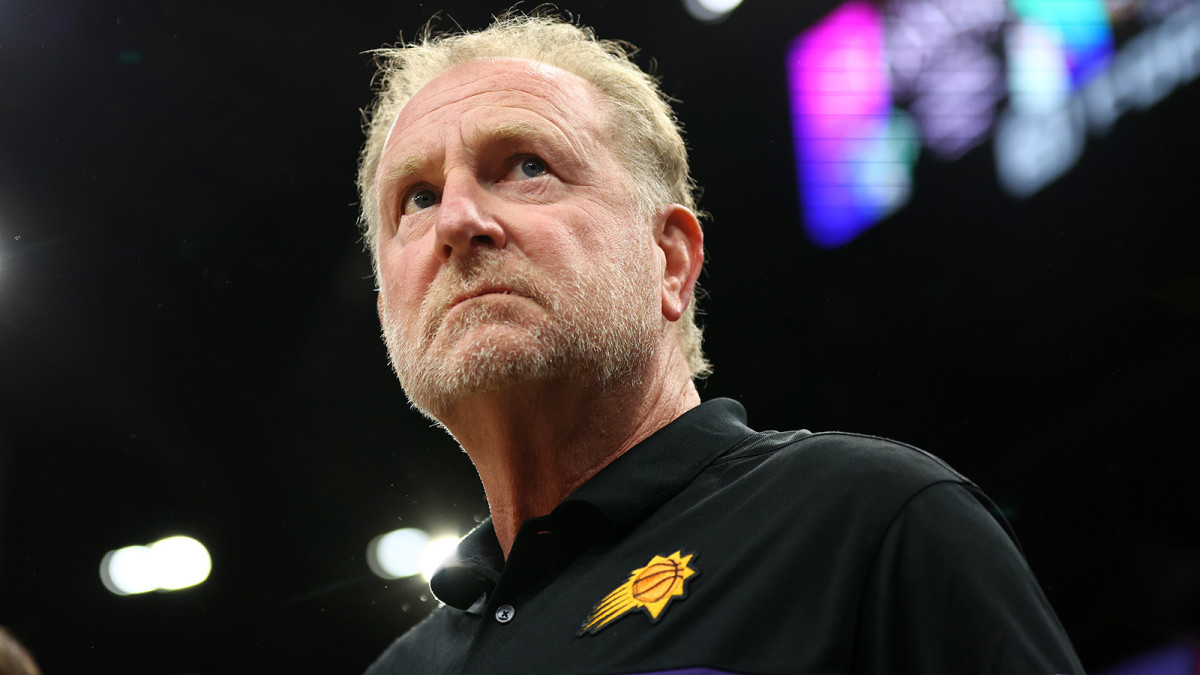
(188, 341)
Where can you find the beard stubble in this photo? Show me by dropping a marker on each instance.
(599, 326)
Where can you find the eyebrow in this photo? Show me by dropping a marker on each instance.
(514, 129)
(503, 131)
(400, 172)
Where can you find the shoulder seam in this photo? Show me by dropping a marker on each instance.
(726, 457)
(928, 455)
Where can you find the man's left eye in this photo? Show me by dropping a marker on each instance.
(528, 167)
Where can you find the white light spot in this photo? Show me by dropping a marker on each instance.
(435, 553)
(398, 553)
(170, 564)
(128, 570)
(720, 6)
(180, 562)
(710, 11)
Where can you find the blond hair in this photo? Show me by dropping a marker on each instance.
(645, 133)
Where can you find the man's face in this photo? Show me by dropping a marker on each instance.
(511, 249)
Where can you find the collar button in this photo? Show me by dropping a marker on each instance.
(505, 613)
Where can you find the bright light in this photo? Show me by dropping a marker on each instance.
(181, 562)
(710, 11)
(720, 6)
(407, 552)
(129, 570)
(169, 565)
(398, 553)
(435, 554)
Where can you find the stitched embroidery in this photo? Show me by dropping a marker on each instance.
(650, 588)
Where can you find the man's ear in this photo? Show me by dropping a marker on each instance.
(379, 305)
(682, 243)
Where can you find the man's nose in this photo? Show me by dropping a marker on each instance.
(465, 219)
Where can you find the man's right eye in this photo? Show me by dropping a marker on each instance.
(421, 198)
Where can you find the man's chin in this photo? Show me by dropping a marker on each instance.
(505, 360)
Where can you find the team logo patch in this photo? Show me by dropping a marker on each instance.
(650, 587)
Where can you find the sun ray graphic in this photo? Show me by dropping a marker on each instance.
(650, 587)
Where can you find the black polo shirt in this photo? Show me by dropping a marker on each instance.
(713, 548)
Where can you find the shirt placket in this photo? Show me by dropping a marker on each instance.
(543, 548)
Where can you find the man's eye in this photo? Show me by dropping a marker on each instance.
(529, 167)
(417, 200)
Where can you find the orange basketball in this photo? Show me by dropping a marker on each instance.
(655, 581)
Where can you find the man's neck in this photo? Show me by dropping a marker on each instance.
(535, 443)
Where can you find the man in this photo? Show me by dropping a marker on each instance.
(526, 198)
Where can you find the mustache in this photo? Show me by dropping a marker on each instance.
(487, 271)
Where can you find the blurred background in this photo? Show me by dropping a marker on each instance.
(966, 224)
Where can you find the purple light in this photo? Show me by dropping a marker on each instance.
(1174, 660)
(852, 153)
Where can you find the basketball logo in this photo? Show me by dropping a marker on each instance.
(650, 588)
(655, 581)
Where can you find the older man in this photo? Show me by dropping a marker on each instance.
(527, 200)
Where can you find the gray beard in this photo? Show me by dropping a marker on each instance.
(601, 330)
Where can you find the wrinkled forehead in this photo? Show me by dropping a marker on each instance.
(520, 83)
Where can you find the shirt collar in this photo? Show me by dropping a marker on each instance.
(653, 471)
(622, 494)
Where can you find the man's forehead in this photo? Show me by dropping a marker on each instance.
(506, 71)
(539, 101)
(498, 81)
(421, 157)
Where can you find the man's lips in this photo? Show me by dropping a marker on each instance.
(482, 291)
(434, 324)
